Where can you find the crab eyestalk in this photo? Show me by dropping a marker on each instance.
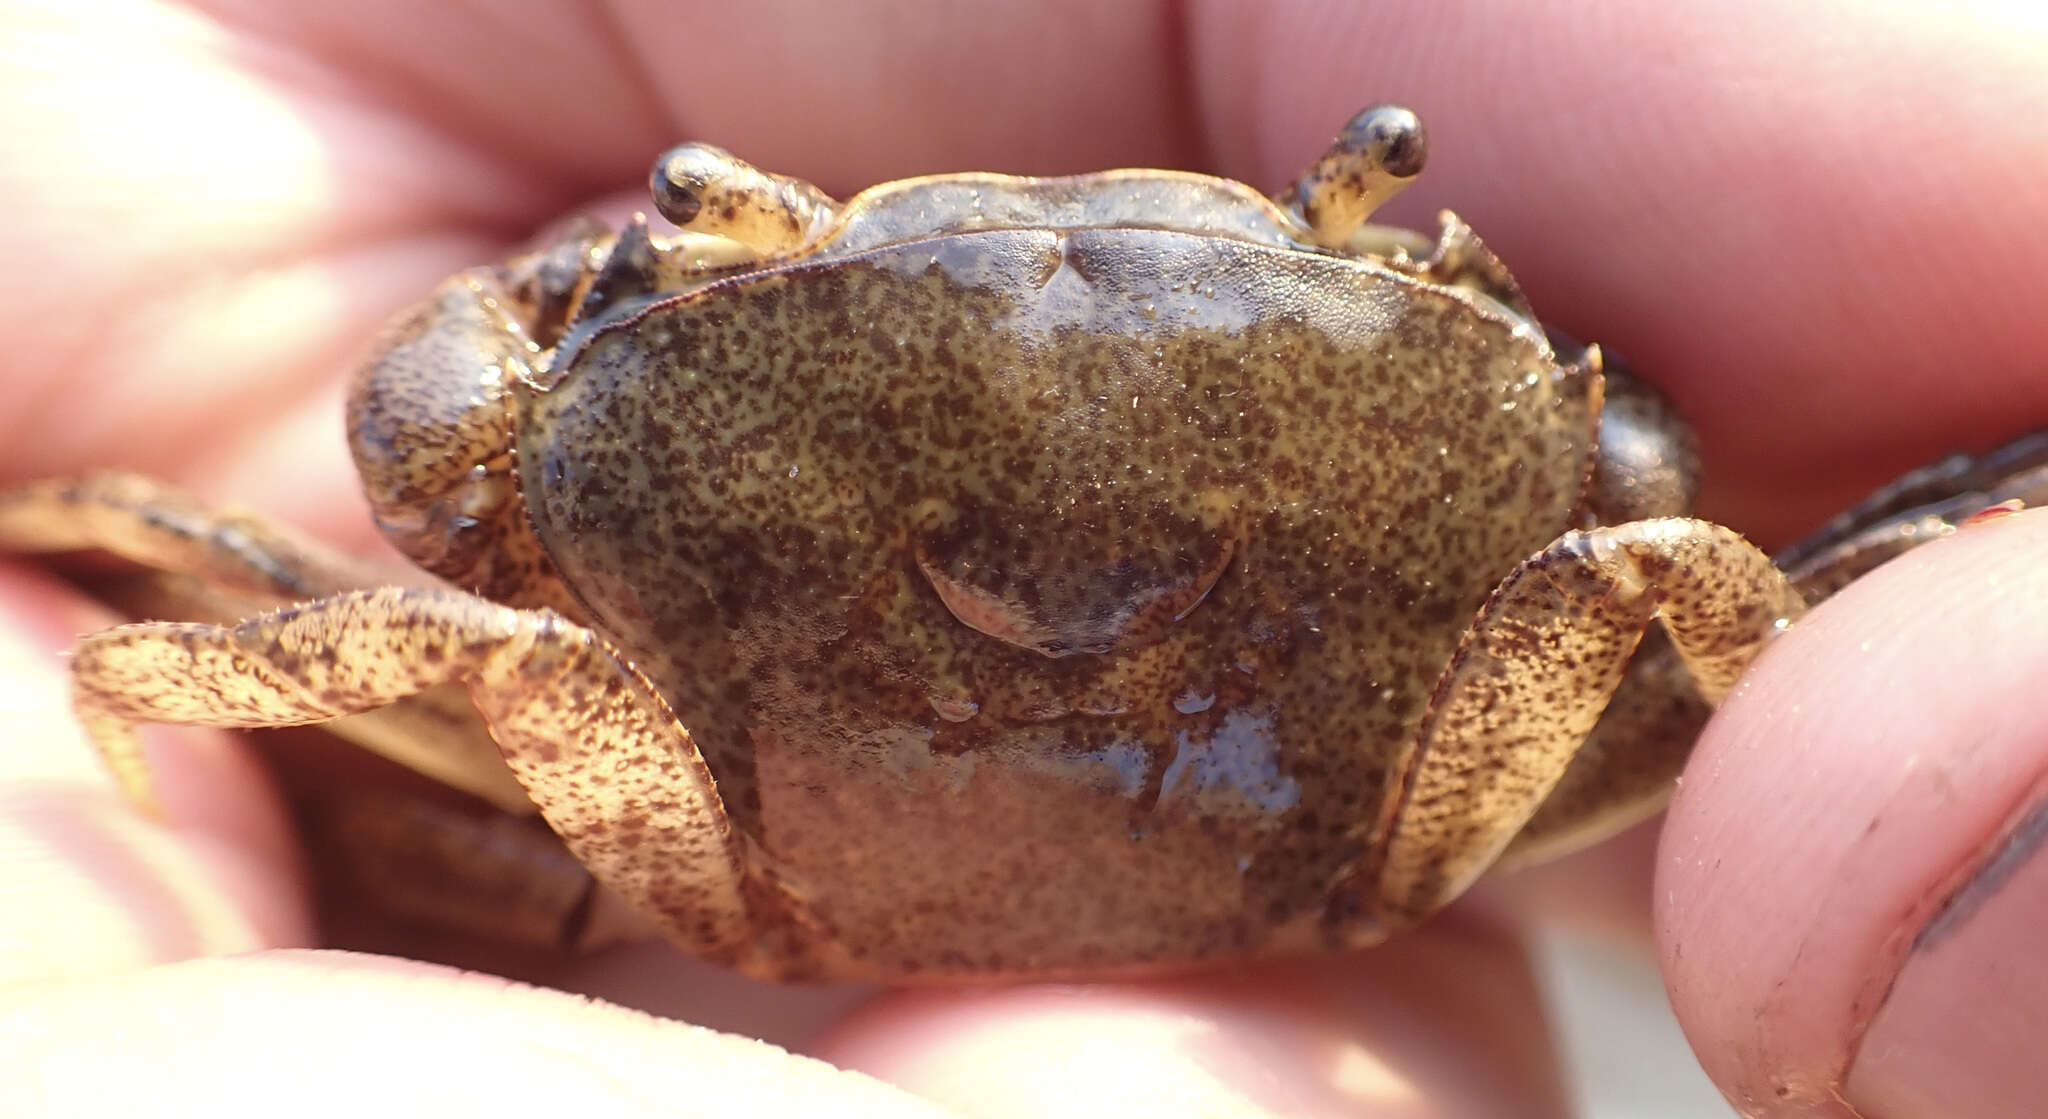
(1379, 152)
(706, 190)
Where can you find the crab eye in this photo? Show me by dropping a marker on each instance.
(1390, 136)
(682, 177)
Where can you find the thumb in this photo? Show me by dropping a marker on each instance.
(1852, 884)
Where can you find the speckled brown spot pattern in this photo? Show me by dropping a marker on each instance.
(215, 566)
(431, 433)
(1528, 682)
(1111, 425)
(627, 791)
(1628, 763)
(628, 782)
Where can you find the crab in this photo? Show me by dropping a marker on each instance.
(991, 578)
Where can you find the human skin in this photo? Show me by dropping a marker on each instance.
(1817, 227)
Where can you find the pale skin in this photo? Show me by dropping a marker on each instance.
(1803, 396)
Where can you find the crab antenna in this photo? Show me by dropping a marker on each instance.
(706, 190)
(1378, 152)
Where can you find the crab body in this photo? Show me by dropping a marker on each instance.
(1105, 542)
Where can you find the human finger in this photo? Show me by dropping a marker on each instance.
(1444, 1021)
(1852, 887)
(334, 1034)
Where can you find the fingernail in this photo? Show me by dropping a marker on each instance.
(1965, 1026)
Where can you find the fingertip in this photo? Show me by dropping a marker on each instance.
(1602, 891)
(1445, 1021)
(339, 1034)
(1853, 850)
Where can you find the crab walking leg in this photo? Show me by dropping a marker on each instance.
(1625, 769)
(1924, 505)
(613, 772)
(205, 563)
(1534, 672)
(160, 526)
(501, 878)
(224, 564)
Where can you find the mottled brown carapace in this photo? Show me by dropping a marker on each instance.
(1043, 592)
(990, 578)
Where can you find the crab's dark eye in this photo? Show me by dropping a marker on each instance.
(680, 180)
(1391, 136)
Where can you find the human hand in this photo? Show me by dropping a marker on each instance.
(215, 212)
